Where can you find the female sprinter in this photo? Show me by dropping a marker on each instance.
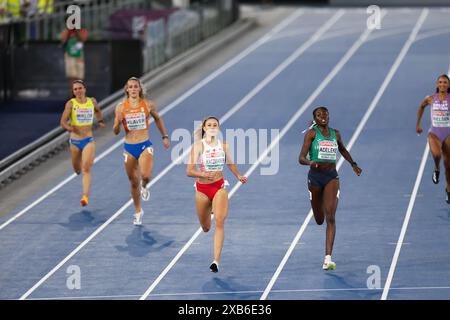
(133, 113)
(210, 154)
(440, 128)
(80, 110)
(322, 143)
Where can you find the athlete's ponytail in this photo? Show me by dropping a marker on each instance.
(313, 123)
(448, 79)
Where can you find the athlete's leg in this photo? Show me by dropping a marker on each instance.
(146, 165)
(76, 158)
(446, 155)
(220, 208)
(317, 204)
(435, 148)
(330, 202)
(203, 205)
(131, 167)
(87, 160)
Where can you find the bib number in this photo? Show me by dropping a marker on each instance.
(136, 121)
(214, 161)
(441, 118)
(327, 150)
(85, 115)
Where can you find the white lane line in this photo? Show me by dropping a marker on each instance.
(291, 122)
(356, 134)
(236, 292)
(233, 110)
(412, 200)
(405, 224)
(172, 105)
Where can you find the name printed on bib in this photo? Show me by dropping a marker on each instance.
(327, 150)
(84, 115)
(136, 121)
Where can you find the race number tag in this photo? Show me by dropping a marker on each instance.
(440, 118)
(84, 115)
(327, 150)
(136, 121)
(214, 160)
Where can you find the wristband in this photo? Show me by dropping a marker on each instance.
(165, 136)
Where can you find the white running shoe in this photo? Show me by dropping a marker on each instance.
(330, 265)
(145, 194)
(138, 218)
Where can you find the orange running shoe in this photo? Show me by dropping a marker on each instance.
(84, 200)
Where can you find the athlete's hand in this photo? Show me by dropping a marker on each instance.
(119, 116)
(101, 124)
(69, 128)
(357, 170)
(419, 130)
(242, 179)
(166, 143)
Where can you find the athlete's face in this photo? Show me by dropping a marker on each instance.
(79, 90)
(321, 117)
(443, 84)
(211, 127)
(133, 88)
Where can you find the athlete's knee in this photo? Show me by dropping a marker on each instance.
(134, 183)
(206, 228)
(331, 219)
(219, 222)
(319, 220)
(86, 168)
(318, 216)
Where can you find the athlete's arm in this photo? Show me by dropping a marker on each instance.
(159, 122)
(422, 107)
(309, 138)
(66, 116)
(118, 119)
(191, 170)
(231, 165)
(344, 152)
(98, 114)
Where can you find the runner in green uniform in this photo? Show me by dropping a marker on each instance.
(322, 143)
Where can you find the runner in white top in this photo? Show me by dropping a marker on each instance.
(210, 155)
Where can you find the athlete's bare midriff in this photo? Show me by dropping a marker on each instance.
(217, 176)
(81, 132)
(136, 136)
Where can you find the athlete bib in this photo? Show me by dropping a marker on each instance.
(84, 115)
(214, 160)
(327, 150)
(136, 121)
(440, 118)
